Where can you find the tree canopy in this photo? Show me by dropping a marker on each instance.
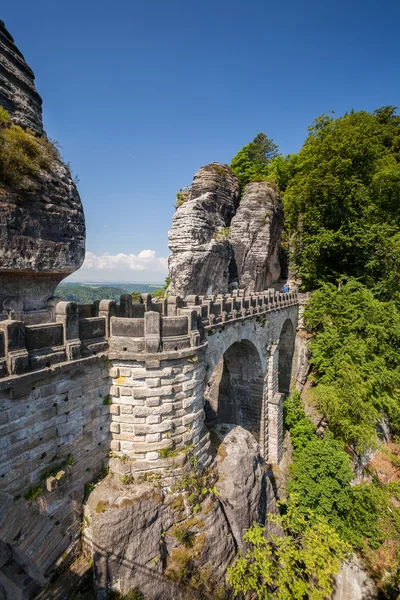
(342, 201)
(252, 162)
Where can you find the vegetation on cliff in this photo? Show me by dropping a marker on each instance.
(298, 564)
(22, 154)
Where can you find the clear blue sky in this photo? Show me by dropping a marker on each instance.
(178, 84)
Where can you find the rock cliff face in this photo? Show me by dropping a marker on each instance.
(218, 243)
(42, 226)
(201, 259)
(152, 538)
(255, 235)
(17, 89)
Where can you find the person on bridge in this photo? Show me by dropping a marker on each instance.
(286, 288)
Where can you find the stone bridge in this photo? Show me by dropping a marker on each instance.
(142, 380)
(224, 359)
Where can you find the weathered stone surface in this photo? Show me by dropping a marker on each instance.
(241, 480)
(17, 89)
(42, 227)
(353, 582)
(255, 234)
(136, 535)
(201, 257)
(218, 244)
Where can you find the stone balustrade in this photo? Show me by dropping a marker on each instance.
(67, 331)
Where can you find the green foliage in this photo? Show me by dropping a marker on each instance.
(127, 479)
(356, 360)
(136, 297)
(33, 493)
(301, 429)
(83, 293)
(162, 292)
(168, 453)
(22, 154)
(221, 234)
(299, 564)
(320, 480)
(86, 294)
(107, 401)
(321, 476)
(180, 199)
(251, 163)
(342, 201)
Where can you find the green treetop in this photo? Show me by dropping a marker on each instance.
(252, 161)
(342, 203)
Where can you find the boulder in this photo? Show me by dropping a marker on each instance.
(241, 480)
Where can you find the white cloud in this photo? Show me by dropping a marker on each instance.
(145, 266)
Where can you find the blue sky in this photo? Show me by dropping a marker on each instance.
(141, 94)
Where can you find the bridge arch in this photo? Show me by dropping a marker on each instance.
(285, 359)
(234, 391)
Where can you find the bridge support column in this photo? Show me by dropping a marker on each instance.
(274, 410)
(275, 428)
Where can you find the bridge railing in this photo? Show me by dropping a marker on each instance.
(69, 331)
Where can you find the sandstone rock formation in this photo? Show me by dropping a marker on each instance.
(218, 243)
(152, 538)
(241, 484)
(201, 259)
(17, 89)
(255, 234)
(353, 582)
(42, 226)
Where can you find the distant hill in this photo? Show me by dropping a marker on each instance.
(84, 293)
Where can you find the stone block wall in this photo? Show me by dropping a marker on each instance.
(54, 439)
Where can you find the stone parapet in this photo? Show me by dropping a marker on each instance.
(67, 331)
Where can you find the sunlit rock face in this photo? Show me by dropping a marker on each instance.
(42, 226)
(202, 258)
(18, 94)
(255, 235)
(220, 241)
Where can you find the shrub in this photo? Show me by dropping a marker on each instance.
(22, 154)
(33, 493)
(299, 564)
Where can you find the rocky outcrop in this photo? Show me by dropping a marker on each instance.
(255, 234)
(159, 540)
(353, 582)
(201, 260)
(17, 89)
(217, 243)
(142, 537)
(42, 225)
(241, 480)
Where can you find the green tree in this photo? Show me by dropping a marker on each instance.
(321, 476)
(299, 564)
(342, 203)
(252, 161)
(136, 297)
(355, 359)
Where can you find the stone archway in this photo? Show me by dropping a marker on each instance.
(285, 361)
(234, 392)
